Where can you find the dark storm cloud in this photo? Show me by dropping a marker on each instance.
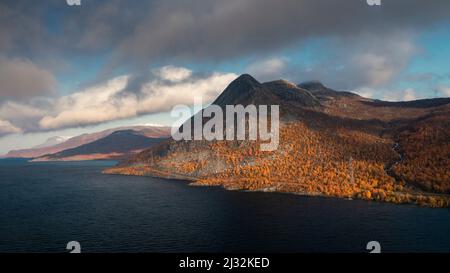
(23, 79)
(151, 31)
(365, 46)
(142, 33)
(207, 30)
(19, 27)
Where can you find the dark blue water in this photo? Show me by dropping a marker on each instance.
(45, 205)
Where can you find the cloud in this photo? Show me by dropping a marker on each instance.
(444, 90)
(365, 92)
(359, 62)
(21, 27)
(21, 78)
(172, 73)
(389, 94)
(112, 100)
(24, 115)
(377, 63)
(397, 95)
(90, 106)
(151, 31)
(268, 69)
(159, 96)
(409, 94)
(7, 128)
(360, 47)
(218, 30)
(363, 38)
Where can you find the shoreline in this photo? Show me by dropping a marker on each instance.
(198, 182)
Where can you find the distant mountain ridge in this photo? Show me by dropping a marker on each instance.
(73, 142)
(115, 145)
(51, 142)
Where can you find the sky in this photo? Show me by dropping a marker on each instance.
(67, 70)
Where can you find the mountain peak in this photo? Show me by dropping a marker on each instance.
(312, 85)
(242, 90)
(245, 79)
(281, 82)
(51, 142)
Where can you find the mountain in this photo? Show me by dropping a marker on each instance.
(51, 142)
(323, 93)
(332, 143)
(115, 145)
(246, 90)
(149, 131)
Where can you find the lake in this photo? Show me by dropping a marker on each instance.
(45, 205)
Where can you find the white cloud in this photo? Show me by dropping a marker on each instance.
(7, 128)
(90, 106)
(13, 110)
(444, 90)
(159, 96)
(172, 73)
(159, 92)
(365, 92)
(407, 94)
(268, 69)
(387, 94)
(23, 115)
(112, 100)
